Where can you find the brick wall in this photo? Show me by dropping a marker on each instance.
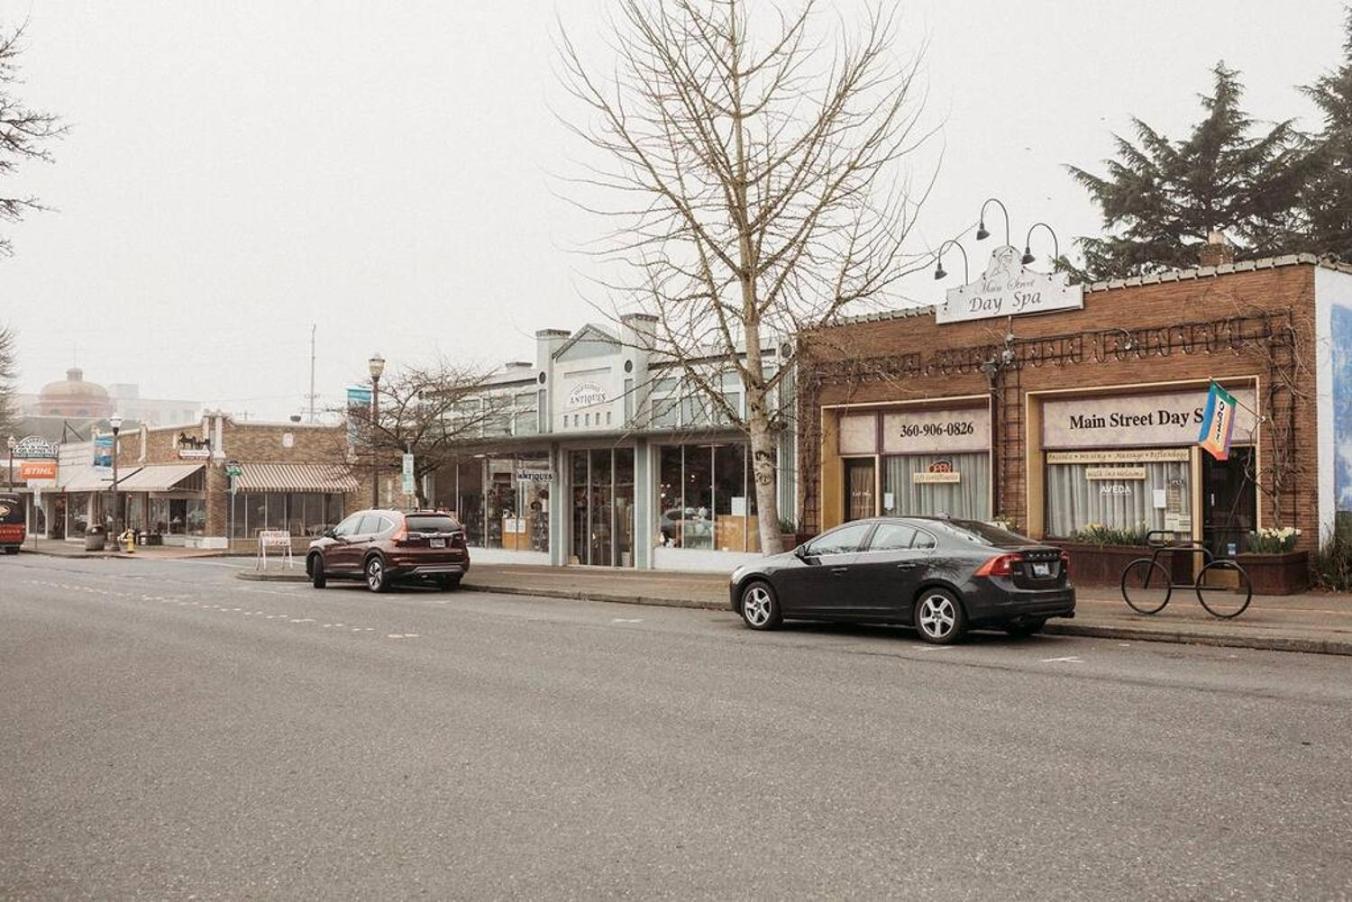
(1175, 334)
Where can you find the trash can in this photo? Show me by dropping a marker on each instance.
(95, 538)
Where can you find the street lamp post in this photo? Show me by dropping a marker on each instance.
(11, 443)
(376, 366)
(116, 422)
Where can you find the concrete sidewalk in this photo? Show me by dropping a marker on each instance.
(1319, 623)
(62, 548)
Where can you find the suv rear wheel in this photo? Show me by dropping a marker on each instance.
(377, 577)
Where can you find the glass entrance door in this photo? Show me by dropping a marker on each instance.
(1229, 502)
(860, 488)
(603, 507)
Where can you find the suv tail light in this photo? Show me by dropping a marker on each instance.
(458, 540)
(1000, 565)
(1065, 562)
(400, 536)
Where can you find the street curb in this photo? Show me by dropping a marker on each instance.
(690, 603)
(1175, 636)
(257, 577)
(1182, 637)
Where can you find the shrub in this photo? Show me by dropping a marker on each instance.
(1333, 564)
(1099, 534)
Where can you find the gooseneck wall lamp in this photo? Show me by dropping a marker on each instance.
(939, 261)
(981, 232)
(1028, 247)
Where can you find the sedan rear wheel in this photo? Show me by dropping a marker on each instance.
(760, 609)
(939, 617)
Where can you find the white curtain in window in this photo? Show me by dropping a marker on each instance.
(969, 498)
(1074, 501)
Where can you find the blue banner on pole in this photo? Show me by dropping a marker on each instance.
(358, 408)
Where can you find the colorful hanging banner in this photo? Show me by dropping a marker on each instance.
(1218, 422)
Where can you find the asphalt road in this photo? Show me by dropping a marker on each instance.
(171, 732)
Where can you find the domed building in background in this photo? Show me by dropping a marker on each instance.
(75, 398)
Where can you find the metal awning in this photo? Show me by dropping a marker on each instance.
(93, 479)
(295, 478)
(158, 478)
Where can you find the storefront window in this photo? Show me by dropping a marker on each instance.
(299, 513)
(705, 499)
(931, 485)
(1131, 497)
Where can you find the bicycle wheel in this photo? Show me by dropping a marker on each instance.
(1146, 586)
(1224, 589)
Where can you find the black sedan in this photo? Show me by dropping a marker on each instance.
(942, 576)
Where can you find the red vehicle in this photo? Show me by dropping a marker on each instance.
(12, 529)
(382, 547)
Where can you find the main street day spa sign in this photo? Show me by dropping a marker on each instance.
(1008, 288)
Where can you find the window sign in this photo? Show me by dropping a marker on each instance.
(937, 431)
(1156, 419)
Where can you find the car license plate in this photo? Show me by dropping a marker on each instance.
(1042, 569)
(438, 543)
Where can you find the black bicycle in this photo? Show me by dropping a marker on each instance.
(1222, 586)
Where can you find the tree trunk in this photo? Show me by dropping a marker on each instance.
(763, 471)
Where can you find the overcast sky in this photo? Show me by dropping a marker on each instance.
(238, 171)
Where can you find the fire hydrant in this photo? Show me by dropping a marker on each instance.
(128, 540)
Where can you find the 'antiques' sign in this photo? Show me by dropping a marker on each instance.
(1158, 419)
(937, 431)
(586, 394)
(1008, 288)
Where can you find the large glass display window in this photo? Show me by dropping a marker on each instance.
(933, 485)
(705, 498)
(1123, 493)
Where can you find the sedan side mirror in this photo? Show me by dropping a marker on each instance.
(800, 552)
(330, 533)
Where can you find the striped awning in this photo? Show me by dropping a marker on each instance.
(295, 478)
(158, 478)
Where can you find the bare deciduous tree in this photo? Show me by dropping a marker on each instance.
(756, 177)
(9, 370)
(428, 411)
(23, 131)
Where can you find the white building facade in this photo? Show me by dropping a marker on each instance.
(608, 456)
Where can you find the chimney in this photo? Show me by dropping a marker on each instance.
(1216, 250)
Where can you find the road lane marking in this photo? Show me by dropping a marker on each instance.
(1068, 659)
(626, 620)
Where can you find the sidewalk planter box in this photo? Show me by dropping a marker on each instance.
(1101, 565)
(1277, 574)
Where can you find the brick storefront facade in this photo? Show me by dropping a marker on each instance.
(1252, 327)
(295, 447)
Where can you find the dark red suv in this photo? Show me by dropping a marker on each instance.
(385, 546)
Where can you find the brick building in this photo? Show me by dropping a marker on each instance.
(1089, 415)
(174, 484)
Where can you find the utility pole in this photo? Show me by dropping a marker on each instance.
(311, 396)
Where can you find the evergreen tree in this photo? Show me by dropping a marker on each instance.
(1326, 201)
(1162, 198)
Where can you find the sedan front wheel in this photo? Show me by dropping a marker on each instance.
(939, 617)
(760, 608)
